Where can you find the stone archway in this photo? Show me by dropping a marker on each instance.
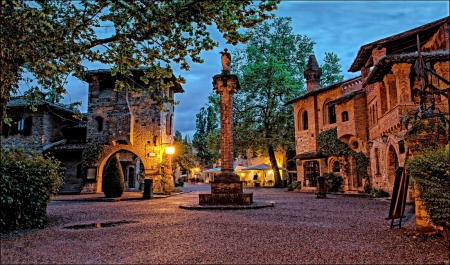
(391, 166)
(129, 162)
(151, 165)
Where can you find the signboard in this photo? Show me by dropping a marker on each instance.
(399, 193)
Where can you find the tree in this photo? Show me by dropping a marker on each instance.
(183, 158)
(51, 39)
(270, 70)
(206, 122)
(331, 70)
(113, 180)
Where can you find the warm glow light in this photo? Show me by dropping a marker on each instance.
(197, 169)
(170, 150)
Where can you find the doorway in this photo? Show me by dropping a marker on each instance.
(311, 172)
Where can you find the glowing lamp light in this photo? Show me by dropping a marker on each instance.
(170, 150)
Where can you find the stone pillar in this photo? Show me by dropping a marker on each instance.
(442, 69)
(401, 72)
(226, 189)
(226, 86)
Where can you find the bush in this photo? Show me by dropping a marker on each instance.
(28, 181)
(113, 181)
(295, 185)
(379, 193)
(431, 174)
(333, 181)
(180, 183)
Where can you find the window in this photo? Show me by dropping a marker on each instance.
(299, 120)
(305, 120)
(344, 116)
(336, 166)
(18, 126)
(332, 114)
(169, 120)
(99, 123)
(377, 161)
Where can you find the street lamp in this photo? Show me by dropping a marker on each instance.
(170, 150)
(384, 140)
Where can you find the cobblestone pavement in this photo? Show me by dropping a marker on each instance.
(299, 229)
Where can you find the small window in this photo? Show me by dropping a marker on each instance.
(377, 161)
(169, 120)
(305, 120)
(332, 114)
(299, 120)
(336, 166)
(18, 126)
(99, 123)
(344, 116)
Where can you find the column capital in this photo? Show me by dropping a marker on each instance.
(401, 68)
(226, 83)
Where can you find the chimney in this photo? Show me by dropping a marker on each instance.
(312, 74)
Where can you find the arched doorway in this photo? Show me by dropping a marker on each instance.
(131, 166)
(392, 165)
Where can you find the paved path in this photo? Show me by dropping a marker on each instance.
(300, 229)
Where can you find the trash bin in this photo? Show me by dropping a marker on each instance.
(148, 189)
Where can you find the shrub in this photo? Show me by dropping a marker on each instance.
(295, 185)
(379, 193)
(113, 181)
(333, 181)
(28, 181)
(431, 174)
(180, 183)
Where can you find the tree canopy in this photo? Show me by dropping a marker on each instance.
(183, 157)
(52, 39)
(270, 70)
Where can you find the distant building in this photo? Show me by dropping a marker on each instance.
(124, 123)
(367, 110)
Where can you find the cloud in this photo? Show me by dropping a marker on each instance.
(341, 27)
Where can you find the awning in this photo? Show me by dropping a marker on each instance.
(261, 167)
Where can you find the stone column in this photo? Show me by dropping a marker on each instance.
(227, 188)
(226, 86)
(401, 72)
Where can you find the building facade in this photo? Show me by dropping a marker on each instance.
(128, 125)
(367, 110)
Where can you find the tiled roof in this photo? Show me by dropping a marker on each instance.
(17, 102)
(383, 67)
(399, 43)
(318, 91)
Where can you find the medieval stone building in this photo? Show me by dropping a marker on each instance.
(367, 110)
(125, 124)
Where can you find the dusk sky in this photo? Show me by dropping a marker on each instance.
(339, 27)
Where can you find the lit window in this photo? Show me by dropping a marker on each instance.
(344, 116)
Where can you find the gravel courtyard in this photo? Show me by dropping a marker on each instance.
(299, 229)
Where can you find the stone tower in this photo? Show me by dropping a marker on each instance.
(312, 74)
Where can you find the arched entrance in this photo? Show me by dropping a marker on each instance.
(392, 165)
(132, 168)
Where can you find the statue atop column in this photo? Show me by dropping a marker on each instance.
(226, 60)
